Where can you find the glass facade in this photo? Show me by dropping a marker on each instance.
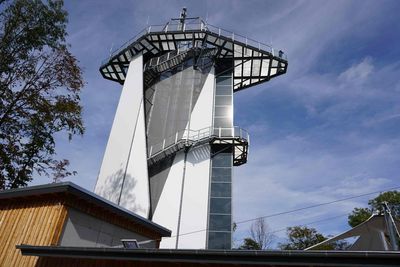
(220, 199)
(220, 210)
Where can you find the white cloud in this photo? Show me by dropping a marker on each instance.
(358, 73)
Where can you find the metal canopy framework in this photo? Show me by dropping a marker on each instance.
(253, 62)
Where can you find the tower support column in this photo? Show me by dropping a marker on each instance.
(123, 177)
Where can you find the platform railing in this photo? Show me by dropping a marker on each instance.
(193, 137)
(195, 26)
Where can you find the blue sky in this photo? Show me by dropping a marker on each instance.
(326, 130)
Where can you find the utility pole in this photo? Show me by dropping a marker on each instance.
(390, 224)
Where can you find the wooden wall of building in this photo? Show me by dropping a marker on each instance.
(38, 221)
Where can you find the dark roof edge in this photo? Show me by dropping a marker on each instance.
(237, 257)
(69, 187)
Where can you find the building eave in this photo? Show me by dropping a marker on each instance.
(74, 190)
(217, 257)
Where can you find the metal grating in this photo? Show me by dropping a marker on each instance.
(253, 62)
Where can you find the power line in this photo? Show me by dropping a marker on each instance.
(313, 222)
(298, 209)
(304, 224)
(316, 205)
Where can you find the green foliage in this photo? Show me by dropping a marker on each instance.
(359, 215)
(391, 197)
(40, 82)
(250, 244)
(302, 237)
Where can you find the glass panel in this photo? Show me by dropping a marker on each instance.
(225, 122)
(227, 132)
(138, 46)
(220, 223)
(221, 42)
(223, 90)
(220, 189)
(264, 70)
(223, 100)
(222, 160)
(224, 80)
(238, 51)
(247, 68)
(171, 45)
(211, 39)
(220, 205)
(256, 67)
(128, 55)
(224, 111)
(223, 173)
(247, 52)
(219, 240)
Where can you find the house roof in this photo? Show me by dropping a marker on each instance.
(371, 234)
(83, 195)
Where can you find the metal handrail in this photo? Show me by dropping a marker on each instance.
(202, 26)
(190, 137)
(155, 61)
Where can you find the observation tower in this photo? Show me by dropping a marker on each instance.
(173, 144)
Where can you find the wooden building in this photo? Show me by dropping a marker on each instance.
(65, 214)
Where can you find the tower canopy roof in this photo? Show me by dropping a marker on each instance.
(253, 62)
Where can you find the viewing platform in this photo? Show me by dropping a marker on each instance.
(253, 61)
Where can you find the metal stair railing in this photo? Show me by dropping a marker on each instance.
(172, 144)
(168, 60)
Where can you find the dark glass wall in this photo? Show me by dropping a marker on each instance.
(220, 199)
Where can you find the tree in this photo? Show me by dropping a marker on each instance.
(301, 237)
(260, 236)
(250, 244)
(40, 82)
(359, 215)
(60, 171)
